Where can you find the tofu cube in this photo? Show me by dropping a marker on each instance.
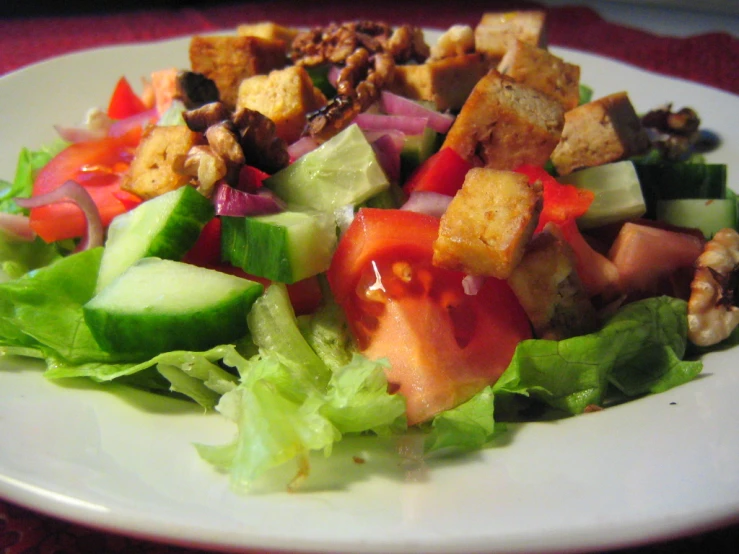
(505, 124)
(268, 30)
(602, 131)
(446, 82)
(543, 71)
(549, 289)
(495, 31)
(488, 223)
(227, 60)
(286, 96)
(157, 166)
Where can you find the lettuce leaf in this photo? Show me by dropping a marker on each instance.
(29, 163)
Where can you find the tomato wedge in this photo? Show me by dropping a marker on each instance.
(124, 102)
(443, 172)
(97, 166)
(443, 345)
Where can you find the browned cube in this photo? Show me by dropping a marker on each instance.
(446, 82)
(543, 71)
(157, 166)
(496, 30)
(286, 96)
(228, 60)
(487, 225)
(602, 131)
(505, 124)
(268, 30)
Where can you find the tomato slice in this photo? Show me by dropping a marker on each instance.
(97, 166)
(443, 172)
(443, 345)
(124, 102)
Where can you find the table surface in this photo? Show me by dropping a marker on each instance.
(699, 46)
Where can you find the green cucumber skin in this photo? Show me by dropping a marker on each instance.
(707, 215)
(284, 247)
(155, 327)
(416, 150)
(142, 233)
(680, 180)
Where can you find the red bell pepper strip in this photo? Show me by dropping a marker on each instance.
(124, 102)
(443, 172)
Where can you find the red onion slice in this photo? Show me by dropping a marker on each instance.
(301, 147)
(426, 202)
(17, 226)
(75, 193)
(333, 75)
(380, 122)
(399, 105)
(472, 284)
(80, 134)
(123, 126)
(229, 201)
(387, 152)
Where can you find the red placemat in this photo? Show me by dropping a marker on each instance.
(711, 59)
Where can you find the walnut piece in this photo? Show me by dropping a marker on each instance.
(712, 310)
(206, 166)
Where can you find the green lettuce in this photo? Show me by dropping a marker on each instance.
(29, 163)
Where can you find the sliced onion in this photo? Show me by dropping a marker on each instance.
(229, 201)
(472, 284)
(381, 122)
(17, 226)
(425, 202)
(143, 119)
(387, 150)
(75, 193)
(301, 147)
(79, 134)
(333, 75)
(399, 105)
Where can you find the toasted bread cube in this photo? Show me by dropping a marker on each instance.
(157, 165)
(602, 131)
(549, 289)
(505, 124)
(268, 30)
(446, 82)
(286, 96)
(543, 71)
(495, 31)
(227, 60)
(488, 223)
(457, 40)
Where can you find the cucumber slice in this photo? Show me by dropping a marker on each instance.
(618, 194)
(340, 172)
(285, 247)
(416, 150)
(708, 215)
(164, 227)
(162, 305)
(680, 180)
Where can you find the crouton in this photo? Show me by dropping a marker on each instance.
(505, 124)
(157, 166)
(543, 71)
(457, 40)
(268, 30)
(602, 131)
(549, 289)
(227, 60)
(446, 82)
(495, 31)
(286, 96)
(488, 223)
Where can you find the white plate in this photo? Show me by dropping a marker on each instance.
(651, 469)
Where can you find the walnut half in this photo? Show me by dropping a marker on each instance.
(712, 309)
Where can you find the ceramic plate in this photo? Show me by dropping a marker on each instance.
(119, 460)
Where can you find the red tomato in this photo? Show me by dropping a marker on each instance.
(97, 166)
(443, 345)
(305, 295)
(561, 202)
(124, 103)
(443, 172)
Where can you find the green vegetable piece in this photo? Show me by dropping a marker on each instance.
(161, 305)
(164, 227)
(342, 171)
(285, 247)
(416, 150)
(710, 216)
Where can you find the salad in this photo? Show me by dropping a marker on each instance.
(312, 285)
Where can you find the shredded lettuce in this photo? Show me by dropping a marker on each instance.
(29, 163)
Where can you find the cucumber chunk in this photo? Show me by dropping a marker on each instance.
(342, 171)
(708, 215)
(162, 305)
(416, 150)
(164, 227)
(618, 194)
(285, 247)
